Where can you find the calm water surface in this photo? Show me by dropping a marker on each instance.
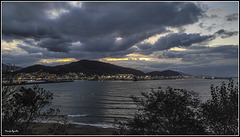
(99, 103)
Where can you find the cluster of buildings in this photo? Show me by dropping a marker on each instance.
(44, 76)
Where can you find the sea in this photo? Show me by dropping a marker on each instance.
(100, 103)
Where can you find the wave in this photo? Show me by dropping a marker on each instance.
(82, 124)
(84, 115)
(111, 116)
(117, 99)
(112, 96)
(95, 125)
(109, 119)
(117, 103)
(100, 107)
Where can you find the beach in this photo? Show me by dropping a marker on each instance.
(68, 129)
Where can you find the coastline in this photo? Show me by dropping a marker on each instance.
(68, 129)
(100, 80)
(36, 82)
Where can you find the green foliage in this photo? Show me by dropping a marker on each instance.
(221, 112)
(173, 111)
(178, 111)
(23, 106)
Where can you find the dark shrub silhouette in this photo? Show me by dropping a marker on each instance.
(221, 112)
(179, 112)
(22, 107)
(170, 111)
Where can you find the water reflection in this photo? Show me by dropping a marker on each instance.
(102, 102)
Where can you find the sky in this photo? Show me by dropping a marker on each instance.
(198, 38)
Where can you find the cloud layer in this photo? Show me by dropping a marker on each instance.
(97, 30)
(95, 25)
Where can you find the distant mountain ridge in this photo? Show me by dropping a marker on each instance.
(164, 73)
(185, 74)
(9, 67)
(85, 66)
(91, 67)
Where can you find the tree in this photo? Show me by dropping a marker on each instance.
(22, 107)
(178, 111)
(221, 112)
(170, 111)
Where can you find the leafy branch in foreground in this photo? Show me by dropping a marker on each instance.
(221, 112)
(170, 111)
(22, 107)
(178, 112)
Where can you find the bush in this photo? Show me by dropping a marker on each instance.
(173, 111)
(22, 107)
(178, 112)
(221, 112)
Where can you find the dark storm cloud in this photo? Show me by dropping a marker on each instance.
(28, 19)
(111, 44)
(30, 49)
(174, 40)
(56, 45)
(225, 34)
(202, 55)
(95, 25)
(181, 40)
(22, 60)
(30, 42)
(232, 17)
(29, 11)
(144, 15)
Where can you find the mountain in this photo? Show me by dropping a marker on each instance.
(84, 66)
(185, 74)
(164, 73)
(9, 67)
(91, 67)
(36, 68)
